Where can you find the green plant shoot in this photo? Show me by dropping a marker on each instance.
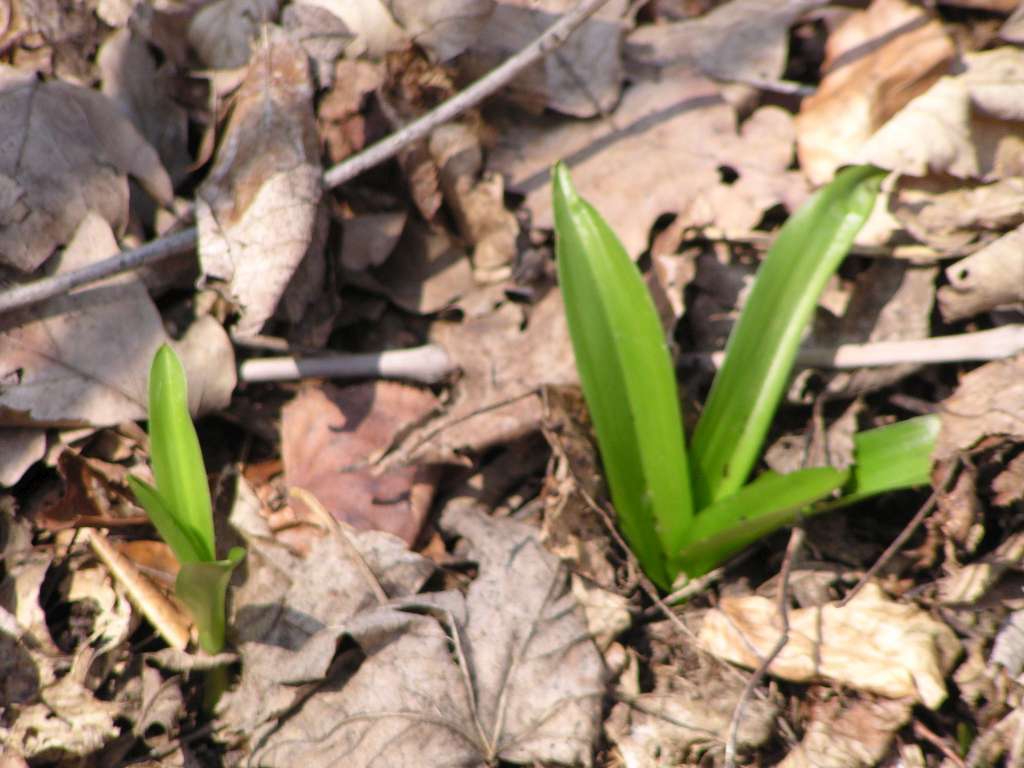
(179, 505)
(686, 512)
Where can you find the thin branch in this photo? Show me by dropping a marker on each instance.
(995, 344)
(796, 540)
(428, 364)
(185, 240)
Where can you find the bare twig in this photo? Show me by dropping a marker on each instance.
(796, 540)
(183, 241)
(428, 364)
(994, 344)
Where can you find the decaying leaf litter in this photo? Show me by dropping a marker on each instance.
(434, 577)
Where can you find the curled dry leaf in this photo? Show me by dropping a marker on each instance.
(985, 280)
(258, 209)
(868, 78)
(988, 401)
(66, 152)
(584, 79)
(872, 643)
(329, 438)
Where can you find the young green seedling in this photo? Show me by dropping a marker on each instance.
(179, 505)
(686, 512)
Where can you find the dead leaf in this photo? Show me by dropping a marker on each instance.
(427, 271)
(71, 161)
(81, 359)
(443, 28)
(985, 280)
(330, 437)
(368, 240)
(258, 208)
(963, 126)
(222, 31)
(502, 369)
(857, 735)
(505, 672)
(742, 40)
(584, 79)
(1008, 485)
(322, 35)
(477, 203)
(1008, 648)
(131, 78)
(868, 78)
(872, 643)
(988, 401)
(661, 151)
(20, 448)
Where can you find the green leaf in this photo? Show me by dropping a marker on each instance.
(176, 457)
(770, 502)
(628, 380)
(181, 540)
(763, 345)
(890, 458)
(203, 587)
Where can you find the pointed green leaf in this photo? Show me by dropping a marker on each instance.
(627, 377)
(202, 587)
(175, 454)
(763, 345)
(765, 505)
(181, 540)
(891, 458)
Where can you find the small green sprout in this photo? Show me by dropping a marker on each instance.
(686, 511)
(179, 505)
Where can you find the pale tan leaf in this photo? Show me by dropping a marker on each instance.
(985, 280)
(858, 735)
(868, 78)
(258, 209)
(66, 151)
(872, 643)
(988, 401)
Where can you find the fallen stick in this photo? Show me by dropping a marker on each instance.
(428, 364)
(994, 344)
(185, 240)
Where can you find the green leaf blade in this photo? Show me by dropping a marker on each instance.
(890, 458)
(202, 587)
(627, 378)
(770, 502)
(763, 345)
(175, 453)
(181, 540)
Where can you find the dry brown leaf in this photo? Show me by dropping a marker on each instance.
(742, 40)
(965, 125)
(330, 436)
(443, 28)
(858, 735)
(985, 280)
(505, 672)
(322, 35)
(1008, 485)
(868, 78)
(132, 79)
(988, 401)
(477, 203)
(257, 210)
(969, 584)
(66, 152)
(583, 79)
(872, 643)
(502, 367)
(660, 152)
(222, 32)
(81, 359)
(20, 448)
(368, 240)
